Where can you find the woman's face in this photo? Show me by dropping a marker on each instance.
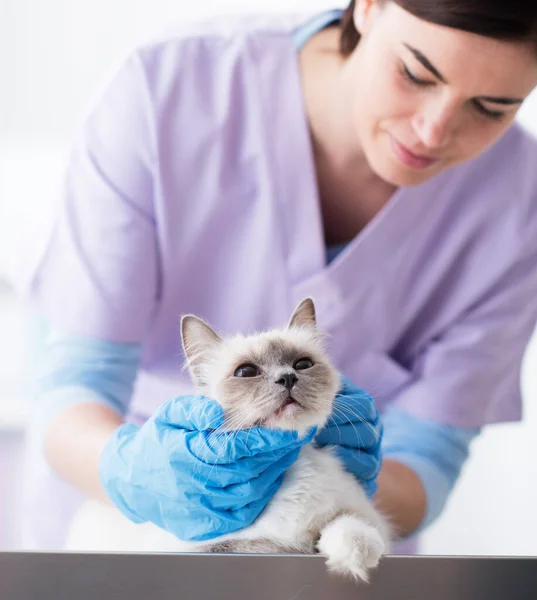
(427, 97)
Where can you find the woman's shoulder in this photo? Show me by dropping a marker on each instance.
(224, 30)
(198, 67)
(203, 56)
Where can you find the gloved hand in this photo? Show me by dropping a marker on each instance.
(355, 429)
(176, 472)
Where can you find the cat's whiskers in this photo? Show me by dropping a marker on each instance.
(203, 456)
(345, 415)
(212, 434)
(222, 452)
(232, 431)
(349, 422)
(352, 410)
(349, 412)
(331, 418)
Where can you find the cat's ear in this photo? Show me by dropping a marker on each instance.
(199, 341)
(304, 315)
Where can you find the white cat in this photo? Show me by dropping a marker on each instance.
(279, 379)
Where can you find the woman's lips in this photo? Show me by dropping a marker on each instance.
(410, 159)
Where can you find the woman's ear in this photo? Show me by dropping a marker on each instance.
(365, 12)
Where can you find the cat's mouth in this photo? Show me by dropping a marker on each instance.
(288, 406)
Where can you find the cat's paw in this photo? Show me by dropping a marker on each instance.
(351, 546)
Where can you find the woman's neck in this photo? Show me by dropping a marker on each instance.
(351, 193)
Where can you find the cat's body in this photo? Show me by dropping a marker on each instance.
(320, 507)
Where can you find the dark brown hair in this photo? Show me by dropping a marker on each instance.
(510, 20)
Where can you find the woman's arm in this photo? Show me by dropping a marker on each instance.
(422, 462)
(401, 496)
(73, 442)
(84, 389)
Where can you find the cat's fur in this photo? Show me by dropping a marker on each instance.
(320, 507)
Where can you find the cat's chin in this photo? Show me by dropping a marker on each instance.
(293, 418)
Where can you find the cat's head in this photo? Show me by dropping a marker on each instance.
(280, 379)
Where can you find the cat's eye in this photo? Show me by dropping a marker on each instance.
(247, 370)
(303, 363)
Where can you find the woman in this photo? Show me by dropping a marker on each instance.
(367, 158)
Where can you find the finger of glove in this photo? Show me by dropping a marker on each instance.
(199, 518)
(364, 465)
(363, 435)
(191, 413)
(202, 523)
(258, 440)
(355, 407)
(219, 477)
(258, 489)
(231, 447)
(370, 487)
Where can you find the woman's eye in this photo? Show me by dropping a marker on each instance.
(247, 371)
(495, 115)
(303, 363)
(407, 74)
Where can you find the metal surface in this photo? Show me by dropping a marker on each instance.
(35, 576)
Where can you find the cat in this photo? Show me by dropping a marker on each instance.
(278, 379)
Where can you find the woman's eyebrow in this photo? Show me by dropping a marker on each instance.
(426, 63)
(430, 67)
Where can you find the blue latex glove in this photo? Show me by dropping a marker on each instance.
(355, 429)
(176, 472)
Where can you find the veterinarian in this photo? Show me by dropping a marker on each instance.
(365, 157)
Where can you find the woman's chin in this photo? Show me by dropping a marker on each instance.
(398, 175)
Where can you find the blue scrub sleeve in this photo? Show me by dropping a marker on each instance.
(76, 369)
(435, 452)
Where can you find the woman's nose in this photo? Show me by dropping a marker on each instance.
(433, 125)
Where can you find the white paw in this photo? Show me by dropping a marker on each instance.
(351, 546)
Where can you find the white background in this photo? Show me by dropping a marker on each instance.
(53, 55)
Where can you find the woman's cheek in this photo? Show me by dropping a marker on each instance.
(393, 97)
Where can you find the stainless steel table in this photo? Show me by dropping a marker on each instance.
(50, 576)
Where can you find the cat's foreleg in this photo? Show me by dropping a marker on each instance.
(352, 545)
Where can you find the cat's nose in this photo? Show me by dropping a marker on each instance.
(288, 380)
